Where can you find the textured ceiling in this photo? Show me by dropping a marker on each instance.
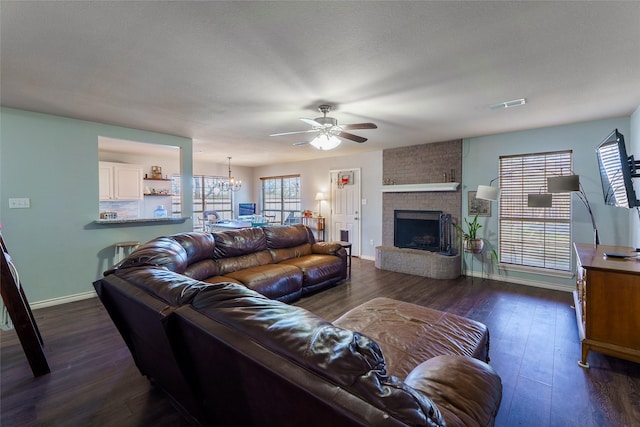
(228, 74)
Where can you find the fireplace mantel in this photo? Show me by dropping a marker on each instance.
(414, 188)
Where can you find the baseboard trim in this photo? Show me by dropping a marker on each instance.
(518, 281)
(62, 300)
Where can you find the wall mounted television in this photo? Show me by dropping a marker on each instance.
(616, 171)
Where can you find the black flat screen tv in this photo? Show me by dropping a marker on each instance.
(616, 171)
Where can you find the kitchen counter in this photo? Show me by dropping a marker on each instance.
(141, 221)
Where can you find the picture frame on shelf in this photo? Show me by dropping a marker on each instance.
(478, 207)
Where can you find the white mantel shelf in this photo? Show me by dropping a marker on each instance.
(414, 188)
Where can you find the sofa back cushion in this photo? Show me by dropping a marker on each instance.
(284, 254)
(240, 242)
(162, 252)
(256, 259)
(202, 270)
(343, 357)
(287, 237)
(198, 245)
(172, 288)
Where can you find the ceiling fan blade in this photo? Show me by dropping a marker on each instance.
(352, 137)
(291, 133)
(311, 122)
(359, 126)
(298, 144)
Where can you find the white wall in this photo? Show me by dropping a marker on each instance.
(314, 177)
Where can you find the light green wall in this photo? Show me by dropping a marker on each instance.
(54, 162)
(480, 165)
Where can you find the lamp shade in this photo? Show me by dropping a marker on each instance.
(325, 142)
(320, 196)
(563, 184)
(539, 200)
(486, 192)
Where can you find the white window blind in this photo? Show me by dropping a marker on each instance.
(534, 237)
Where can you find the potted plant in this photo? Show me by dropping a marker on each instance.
(470, 240)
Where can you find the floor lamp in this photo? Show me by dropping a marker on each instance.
(571, 184)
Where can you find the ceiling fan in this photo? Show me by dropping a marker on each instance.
(328, 130)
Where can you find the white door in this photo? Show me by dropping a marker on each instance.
(345, 207)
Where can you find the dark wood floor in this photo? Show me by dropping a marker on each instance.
(534, 348)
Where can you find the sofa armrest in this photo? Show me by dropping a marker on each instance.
(466, 390)
(326, 248)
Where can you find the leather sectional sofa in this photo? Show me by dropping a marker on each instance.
(281, 263)
(228, 354)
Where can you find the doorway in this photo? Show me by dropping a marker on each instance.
(346, 207)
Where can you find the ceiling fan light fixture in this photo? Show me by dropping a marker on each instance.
(325, 142)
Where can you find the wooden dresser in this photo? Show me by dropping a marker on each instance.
(607, 301)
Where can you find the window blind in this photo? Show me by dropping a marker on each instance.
(534, 237)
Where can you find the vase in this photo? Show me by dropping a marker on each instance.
(473, 246)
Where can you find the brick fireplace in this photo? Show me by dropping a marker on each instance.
(419, 164)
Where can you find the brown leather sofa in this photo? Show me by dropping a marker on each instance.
(228, 355)
(281, 263)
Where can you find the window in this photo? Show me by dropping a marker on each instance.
(281, 199)
(534, 237)
(206, 197)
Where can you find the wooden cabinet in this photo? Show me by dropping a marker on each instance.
(316, 224)
(120, 181)
(607, 301)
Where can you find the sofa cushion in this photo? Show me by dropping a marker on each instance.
(317, 268)
(255, 259)
(172, 288)
(286, 237)
(239, 242)
(272, 280)
(162, 251)
(466, 390)
(202, 269)
(283, 254)
(198, 245)
(410, 334)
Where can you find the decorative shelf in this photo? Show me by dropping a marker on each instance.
(415, 188)
(157, 179)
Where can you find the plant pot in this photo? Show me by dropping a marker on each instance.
(474, 246)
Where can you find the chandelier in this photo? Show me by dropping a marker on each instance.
(231, 184)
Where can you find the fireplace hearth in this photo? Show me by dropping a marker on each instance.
(423, 230)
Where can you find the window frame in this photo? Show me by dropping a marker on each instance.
(534, 237)
(204, 198)
(273, 201)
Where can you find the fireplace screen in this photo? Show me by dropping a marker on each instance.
(424, 230)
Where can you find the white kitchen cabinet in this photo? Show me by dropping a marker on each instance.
(120, 181)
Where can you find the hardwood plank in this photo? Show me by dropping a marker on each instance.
(534, 348)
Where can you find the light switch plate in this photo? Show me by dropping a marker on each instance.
(19, 203)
